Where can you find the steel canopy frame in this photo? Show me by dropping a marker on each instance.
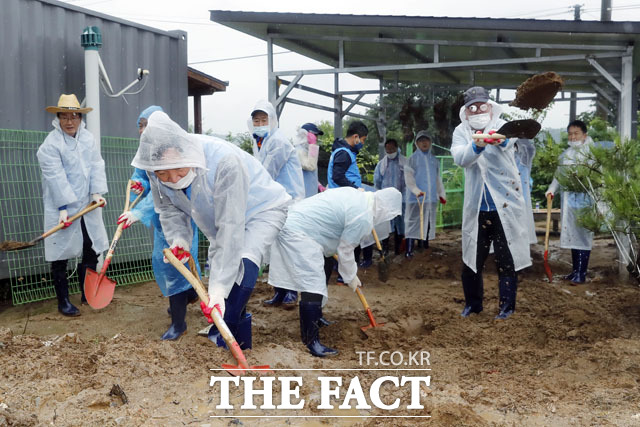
(596, 59)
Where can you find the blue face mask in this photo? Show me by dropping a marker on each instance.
(358, 145)
(261, 131)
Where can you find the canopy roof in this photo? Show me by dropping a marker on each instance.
(449, 51)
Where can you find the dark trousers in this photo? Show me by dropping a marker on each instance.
(329, 263)
(59, 268)
(489, 231)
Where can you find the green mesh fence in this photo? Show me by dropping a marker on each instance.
(21, 211)
(450, 215)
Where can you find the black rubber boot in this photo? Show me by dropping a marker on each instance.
(61, 285)
(581, 271)
(234, 316)
(508, 287)
(276, 299)
(409, 253)
(178, 305)
(290, 299)
(397, 240)
(574, 262)
(367, 257)
(192, 297)
(473, 288)
(324, 322)
(310, 314)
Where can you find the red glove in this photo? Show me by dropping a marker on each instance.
(443, 200)
(493, 141)
(137, 187)
(206, 310)
(180, 253)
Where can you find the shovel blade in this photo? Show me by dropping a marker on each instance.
(234, 370)
(383, 271)
(547, 267)
(526, 128)
(98, 291)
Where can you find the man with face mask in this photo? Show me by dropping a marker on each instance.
(389, 173)
(493, 204)
(230, 197)
(343, 169)
(572, 236)
(171, 283)
(280, 159)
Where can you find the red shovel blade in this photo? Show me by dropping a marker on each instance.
(547, 267)
(237, 370)
(372, 322)
(98, 290)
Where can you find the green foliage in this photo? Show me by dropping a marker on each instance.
(242, 140)
(610, 175)
(544, 165)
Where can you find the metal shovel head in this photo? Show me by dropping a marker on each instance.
(383, 271)
(370, 326)
(527, 128)
(547, 267)
(238, 371)
(98, 291)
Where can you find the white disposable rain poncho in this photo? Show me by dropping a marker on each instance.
(390, 173)
(494, 166)
(333, 221)
(525, 151)
(233, 199)
(422, 173)
(72, 170)
(383, 229)
(572, 236)
(309, 161)
(277, 154)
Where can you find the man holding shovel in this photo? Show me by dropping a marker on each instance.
(493, 204)
(334, 221)
(230, 197)
(73, 175)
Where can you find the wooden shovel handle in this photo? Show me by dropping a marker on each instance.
(363, 300)
(375, 237)
(488, 136)
(421, 204)
(546, 233)
(91, 206)
(127, 195)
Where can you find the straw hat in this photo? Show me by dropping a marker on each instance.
(68, 104)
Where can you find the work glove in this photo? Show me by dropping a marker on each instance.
(137, 187)
(127, 218)
(216, 301)
(355, 284)
(493, 141)
(479, 142)
(63, 217)
(99, 199)
(549, 192)
(443, 200)
(178, 248)
(418, 193)
(321, 188)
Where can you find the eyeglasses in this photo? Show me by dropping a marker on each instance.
(474, 108)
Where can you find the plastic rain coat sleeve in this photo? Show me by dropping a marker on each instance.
(410, 180)
(97, 174)
(66, 164)
(494, 166)
(230, 193)
(377, 177)
(347, 266)
(281, 161)
(144, 210)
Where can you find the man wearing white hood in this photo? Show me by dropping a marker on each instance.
(280, 159)
(493, 204)
(231, 198)
(572, 236)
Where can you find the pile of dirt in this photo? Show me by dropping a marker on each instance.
(537, 91)
(568, 356)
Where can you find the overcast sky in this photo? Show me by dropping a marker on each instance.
(208, 41)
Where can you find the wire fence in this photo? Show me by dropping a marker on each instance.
(21, 213)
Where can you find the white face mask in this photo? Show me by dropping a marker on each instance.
(574, 144)
(183, 183)
(392, 155)
(479, 121)
(261, 131)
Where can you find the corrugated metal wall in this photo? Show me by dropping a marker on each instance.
(42, 58)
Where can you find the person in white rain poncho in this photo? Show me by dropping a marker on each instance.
(232, 200)
(424, 184)
(389, 173)
(572, 236)
(525, 151)
(493, 204)
(306, 144)
(73, 175)
(331, 222)
(280, 159)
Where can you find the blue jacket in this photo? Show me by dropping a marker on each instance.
(343, 169)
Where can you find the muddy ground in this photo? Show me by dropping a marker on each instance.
(568, 356)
